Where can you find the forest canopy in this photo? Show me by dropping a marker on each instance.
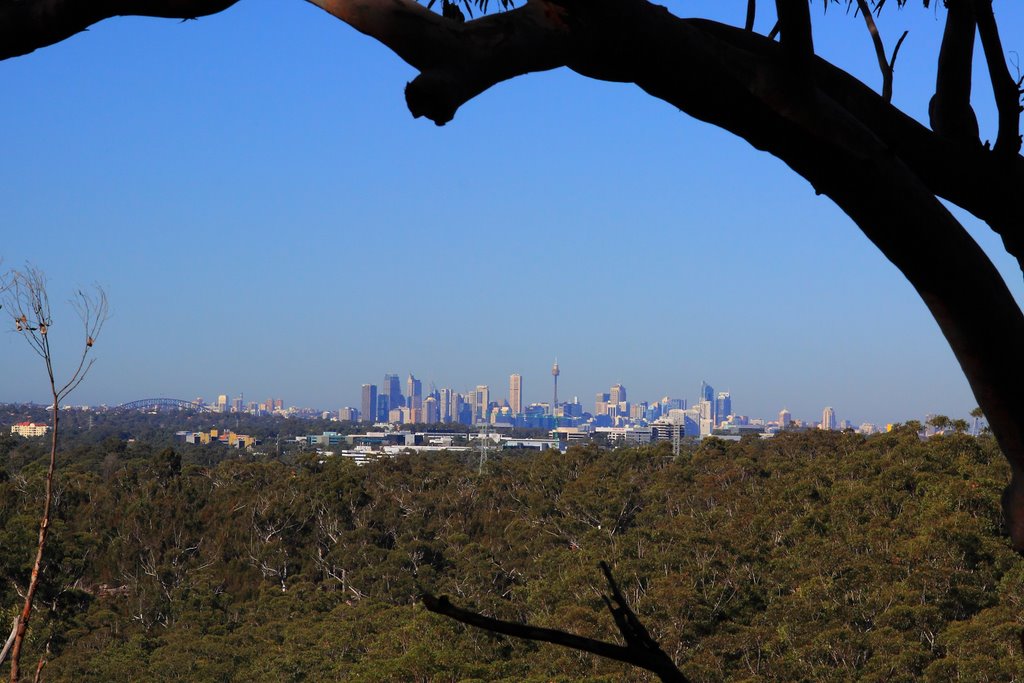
(816, 556)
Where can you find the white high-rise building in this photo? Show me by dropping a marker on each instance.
(785, 419)
(828, 419)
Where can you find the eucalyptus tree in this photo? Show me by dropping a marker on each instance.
(892, 175)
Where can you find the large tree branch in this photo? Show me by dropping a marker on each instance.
(609, 41)
(457, 61)
(949, 111)
(26, 25)
(1004, 88)
(640, 650)
(881, 167)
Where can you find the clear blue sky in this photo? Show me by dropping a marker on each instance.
(269, 219)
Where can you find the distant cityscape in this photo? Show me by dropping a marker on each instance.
(395, 402)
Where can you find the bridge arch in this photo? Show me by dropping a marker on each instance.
(163, 404)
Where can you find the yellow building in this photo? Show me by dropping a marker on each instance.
(29, 429)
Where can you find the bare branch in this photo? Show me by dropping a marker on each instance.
(883, 64)
(640, 649)
(10, 641)
(748, 25)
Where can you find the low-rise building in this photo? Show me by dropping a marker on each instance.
(29, 429)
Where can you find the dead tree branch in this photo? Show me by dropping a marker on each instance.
(640, 650)
(29, 305)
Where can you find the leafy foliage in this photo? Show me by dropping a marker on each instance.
(818, 556)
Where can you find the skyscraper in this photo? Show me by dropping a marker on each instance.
(368, 405)
(617, 394)
(828, 418)
(446, 406)
(392, 389)
(785, 419)
(707, 393)
(414, 387)
(723, 406)
(515, 394)
(482, 400)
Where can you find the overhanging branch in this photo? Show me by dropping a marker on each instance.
(26, 25)
(458, 61)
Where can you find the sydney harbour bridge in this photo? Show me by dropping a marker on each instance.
(163, 404)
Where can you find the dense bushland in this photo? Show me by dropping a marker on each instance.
(808, 557)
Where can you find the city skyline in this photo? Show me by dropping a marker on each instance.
(370, 393)
(269, 229)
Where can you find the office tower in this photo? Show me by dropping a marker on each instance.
(482, 399)
(368, 405)
(706, 416)
(279, 404)
(723, 406)
(446, 405)
(347, 414)
(555, 372)
(785, 419)
(601, 403)
(415, 392)
(707, 393)
(382, 408)
(828, 418)
(431, 413)
(515, 394)
(222, 403)
(237, 404)
(617, 394)
(392, 388)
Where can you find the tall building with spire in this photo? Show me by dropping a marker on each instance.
(515, 394)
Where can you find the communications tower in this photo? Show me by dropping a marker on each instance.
(555, 373)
